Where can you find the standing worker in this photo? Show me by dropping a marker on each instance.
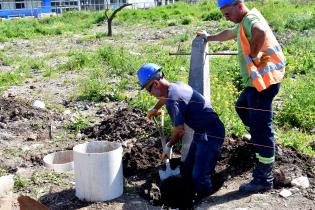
(262, 69)
(185, 105)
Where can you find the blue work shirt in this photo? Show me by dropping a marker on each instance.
(185, 105)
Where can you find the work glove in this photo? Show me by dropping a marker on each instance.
(153, 113)
(204, 35)
(167, 151)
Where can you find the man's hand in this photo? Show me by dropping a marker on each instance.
(260, 59)
(153, 113)
(256, 61)
(204, 35)
(167, 151)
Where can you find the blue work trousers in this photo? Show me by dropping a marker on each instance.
(202, 157)
(255, 110)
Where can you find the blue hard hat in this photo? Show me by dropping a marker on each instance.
(223, 3)
(146, 73)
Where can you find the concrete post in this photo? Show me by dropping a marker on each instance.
(199, 79)
(199, 74)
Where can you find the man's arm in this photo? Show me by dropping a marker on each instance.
(155, 111)
(258, 39)
(160, 103)
(225, 35)
(177, 133)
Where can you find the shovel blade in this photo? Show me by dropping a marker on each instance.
(168, 172)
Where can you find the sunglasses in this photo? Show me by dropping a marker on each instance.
(149, 89)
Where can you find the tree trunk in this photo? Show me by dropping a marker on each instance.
(109, 27)
(110, 19)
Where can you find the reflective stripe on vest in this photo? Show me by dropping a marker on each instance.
(265, 160)
(272, 67)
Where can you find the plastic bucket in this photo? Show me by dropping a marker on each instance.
(98, 170)
(61, 161)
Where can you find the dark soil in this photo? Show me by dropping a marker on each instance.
(142, 153)
(141, 159)
(21, 124)
(13, 111)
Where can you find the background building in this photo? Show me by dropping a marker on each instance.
(22, 8)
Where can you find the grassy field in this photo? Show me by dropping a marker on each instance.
(109, 70)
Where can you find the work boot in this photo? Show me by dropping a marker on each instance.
(255, 187)
(263, 179)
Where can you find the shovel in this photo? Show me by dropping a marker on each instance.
(168, 172)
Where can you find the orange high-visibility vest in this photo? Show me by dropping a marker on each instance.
(272, 66)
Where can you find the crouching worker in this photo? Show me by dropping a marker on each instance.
(185, 105)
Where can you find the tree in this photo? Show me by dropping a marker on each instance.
(110, 18)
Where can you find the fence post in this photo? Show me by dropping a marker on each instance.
(199, 79)
(199, 74)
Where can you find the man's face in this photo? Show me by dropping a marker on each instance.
(153, 88)
(230, 13)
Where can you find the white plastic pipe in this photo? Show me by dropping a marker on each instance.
(61, 161)
(98, 170)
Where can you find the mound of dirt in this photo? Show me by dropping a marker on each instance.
(130, 127)
(120, 126)
(12, 111)
(142, 159)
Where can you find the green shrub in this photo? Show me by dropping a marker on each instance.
(298, 140)
(213, 15)
(118, 60)
(298, 103)
(300, 22)
(303, 62)
(177, 12)
(171, 23)
(99, 35)
(19, 183)
(76, 62)
(79, 122)
(10, 78)
(186, 21)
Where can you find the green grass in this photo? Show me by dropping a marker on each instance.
(284, 15)
(79, 122)
(281, 15)
(297, 139)
(77, 60)
(225, 87)
(10, 78)
(181, 13)
(109, 72)
(298, 106)
(20, 183)
(73, 21)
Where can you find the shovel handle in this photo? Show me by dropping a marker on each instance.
(162, 129)
(162, 119)
(161, 132)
